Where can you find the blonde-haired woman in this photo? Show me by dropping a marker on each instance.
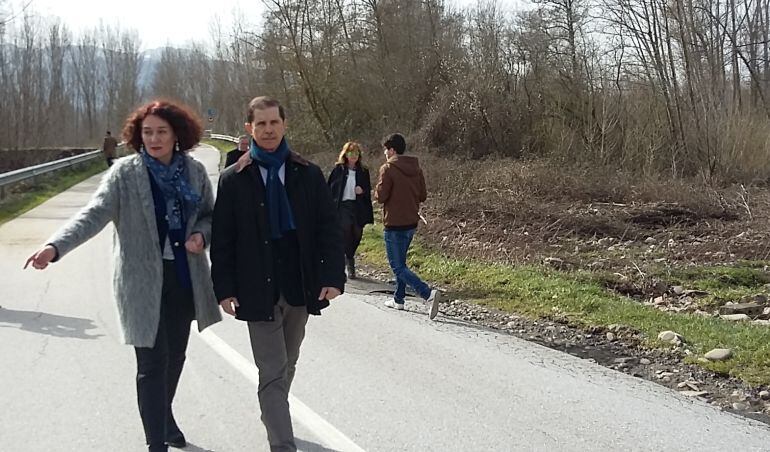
(351, 191)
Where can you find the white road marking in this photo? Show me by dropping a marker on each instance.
(330, 436)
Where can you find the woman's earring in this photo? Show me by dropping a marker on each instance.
(141, 148)
(176, 147)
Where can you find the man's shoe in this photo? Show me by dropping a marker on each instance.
(433, 300)
(177, 440)
(394, 305)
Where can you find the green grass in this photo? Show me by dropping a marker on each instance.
(722, 283)
(540, 292)
(18, 203)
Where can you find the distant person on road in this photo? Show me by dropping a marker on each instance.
(351, 191)
(235, 154)
(160, 201)
(276, 256)
(400, 189)
(109, 148)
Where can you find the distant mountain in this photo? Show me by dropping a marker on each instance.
(150, 60)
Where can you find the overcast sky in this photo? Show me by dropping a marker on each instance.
(159, 22)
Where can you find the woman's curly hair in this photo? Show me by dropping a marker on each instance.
(183, 120)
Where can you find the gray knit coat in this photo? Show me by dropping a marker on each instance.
(124, 197)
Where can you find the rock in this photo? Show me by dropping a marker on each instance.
(645, 362)
(688, 384)
(679, 290)
(750, 309)
(670, 337)
(694, 393)
(611, 337)
(740, 406)
(650, 240)
(764, 395)
(659, 300)
(735, 317)
(554, 262)
(719, 354)
(761, 322)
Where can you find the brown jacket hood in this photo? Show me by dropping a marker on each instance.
(407, 164)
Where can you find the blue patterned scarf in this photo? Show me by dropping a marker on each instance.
(180, 197)
(278, 209)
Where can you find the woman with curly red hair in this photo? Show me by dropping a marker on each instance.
(160, 202)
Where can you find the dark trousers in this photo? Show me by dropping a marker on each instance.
(158, 368)
(351, 231)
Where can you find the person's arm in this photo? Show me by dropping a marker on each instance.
(332, 175)
(366, 184)
(384, 185)
(366, 197)
(202, 224)
(223, 241)
(91, 219)
(328, 235)
(423, 190)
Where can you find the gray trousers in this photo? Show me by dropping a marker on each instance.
(275, 346)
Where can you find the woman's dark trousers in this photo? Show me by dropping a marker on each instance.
(351, 233)
(159, 367)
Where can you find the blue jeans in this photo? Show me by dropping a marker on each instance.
(396, 246)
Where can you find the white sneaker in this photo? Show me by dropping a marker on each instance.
(394, 305)
(433, 300)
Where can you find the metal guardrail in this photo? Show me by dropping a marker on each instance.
(11, 177)
(216, 136)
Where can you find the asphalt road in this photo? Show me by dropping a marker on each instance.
(369, 378)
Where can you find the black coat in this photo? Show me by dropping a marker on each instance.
(337, 179)
(233, 156)
(241, 255)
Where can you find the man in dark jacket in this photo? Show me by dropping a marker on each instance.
(276, 254)
(400, 189)
(235, 154)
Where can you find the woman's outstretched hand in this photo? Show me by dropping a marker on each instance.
(42, 257)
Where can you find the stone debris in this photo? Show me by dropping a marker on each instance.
(719, 354)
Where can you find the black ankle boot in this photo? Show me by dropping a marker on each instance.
(175, 438)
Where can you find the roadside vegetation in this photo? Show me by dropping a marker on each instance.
(581, 299)
(26, 197)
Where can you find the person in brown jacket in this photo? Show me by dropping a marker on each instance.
(109, 148)
(400, 189)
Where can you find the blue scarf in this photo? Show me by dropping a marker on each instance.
(172, 180)
(278, 209)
